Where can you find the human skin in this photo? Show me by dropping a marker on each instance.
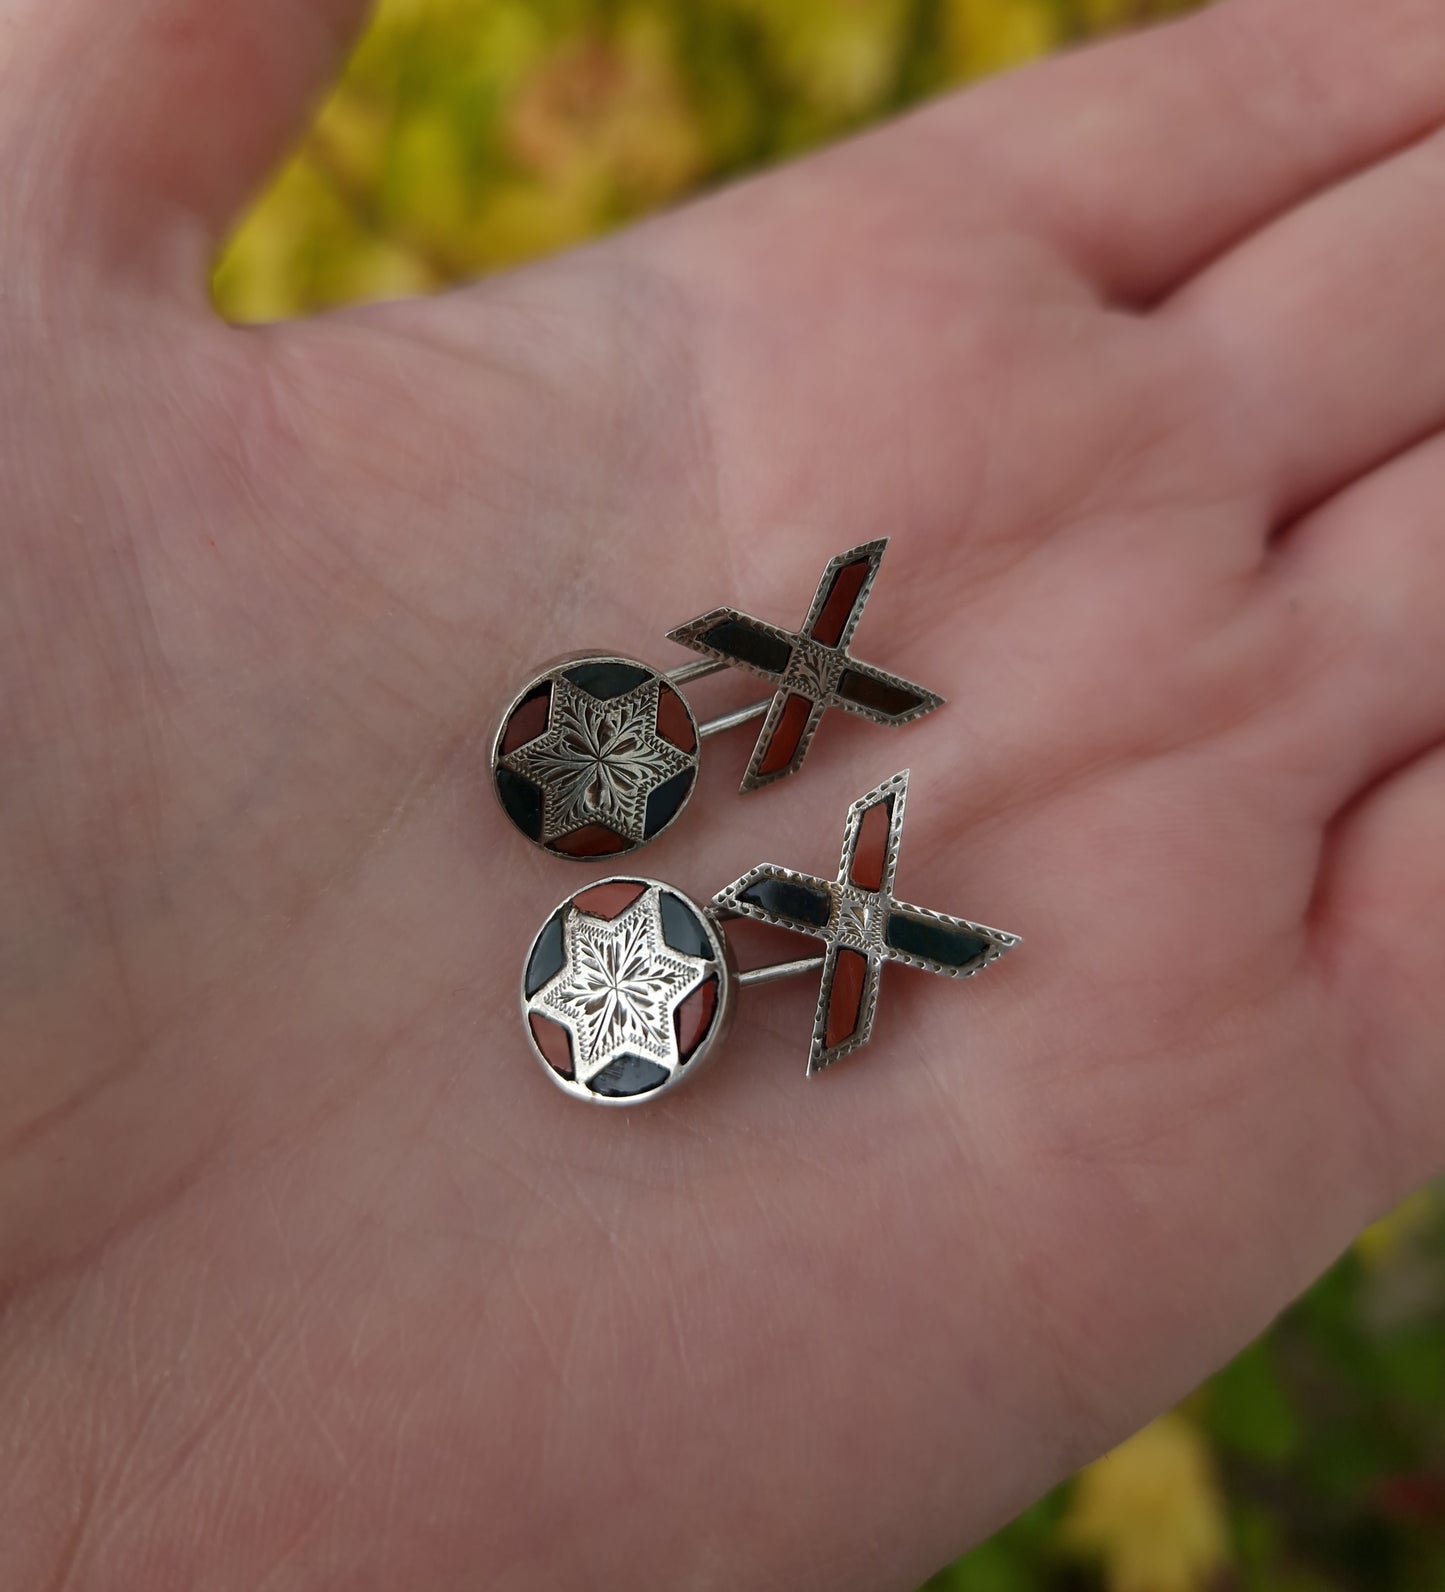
(308, 1277)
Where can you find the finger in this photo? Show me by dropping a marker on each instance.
(1356, 598)
(1135, 161)
(174, 110)
(1380, 912)
(1326, 334)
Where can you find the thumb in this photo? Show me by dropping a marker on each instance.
(131, 131)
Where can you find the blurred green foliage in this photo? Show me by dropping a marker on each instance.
(1315, 1462)
(469, 135)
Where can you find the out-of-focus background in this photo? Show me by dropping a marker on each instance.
(470, 135)
(474, 134)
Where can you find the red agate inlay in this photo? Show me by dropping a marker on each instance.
(845, 1005)
(791, 725)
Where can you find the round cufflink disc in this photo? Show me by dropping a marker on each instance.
(627, 989)
(595, 756)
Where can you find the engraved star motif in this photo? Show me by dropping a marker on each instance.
(598, 760)
(620, 986)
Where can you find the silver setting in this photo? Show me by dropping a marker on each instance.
(619, 987)
(859, 921)
(599, 758)
(813, 670)
(598, 761)
(810, 668)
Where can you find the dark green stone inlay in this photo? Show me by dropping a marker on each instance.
(547, 957)
(664, 804)
(784, 898)
(880, 695)
(735, 638)
(628, 1075)
(604, 680)
(936, 941)
(681, 927)
(522, 801)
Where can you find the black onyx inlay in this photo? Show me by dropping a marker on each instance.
(936, 941)
(664, 804)
(522, 801)
(604, 680)
(784, 898)
(880, 695)
(681, 928)
(547, 958)
(628, 1075)
(737, 639)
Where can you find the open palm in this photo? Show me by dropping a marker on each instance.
(308, 1279)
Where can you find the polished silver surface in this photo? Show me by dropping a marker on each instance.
(861, 921)
(732, 721)
(778, 971)
(598, 759)
(699, 669)
(618, 988)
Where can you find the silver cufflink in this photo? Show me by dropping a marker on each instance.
(629, 986)
(598, 754)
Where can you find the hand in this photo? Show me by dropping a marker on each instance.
(309, 1279)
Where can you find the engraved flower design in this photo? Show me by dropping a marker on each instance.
(619, 987)
(598, 761)
(813, 669)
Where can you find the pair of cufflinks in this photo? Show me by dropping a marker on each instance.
(629, 986)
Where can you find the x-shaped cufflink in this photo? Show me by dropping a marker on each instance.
(812, 667)
(860, 923)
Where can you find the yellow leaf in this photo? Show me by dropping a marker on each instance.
(610, 106)
(1151, 1513)
(354, 127)
(991, 35)
(524, 220)
(429, 177)
(375, 269)
(256, 278)
(1391, 1235)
